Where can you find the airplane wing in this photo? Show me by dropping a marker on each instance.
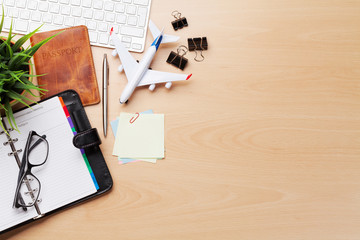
(156, 32)
(127, 60)
(154, 77)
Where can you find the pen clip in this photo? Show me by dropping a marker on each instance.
(106, 70)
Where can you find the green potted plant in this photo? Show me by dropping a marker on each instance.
(16, 72)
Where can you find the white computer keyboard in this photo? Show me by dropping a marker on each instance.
(128, 17)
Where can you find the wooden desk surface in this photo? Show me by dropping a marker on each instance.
(262, 143)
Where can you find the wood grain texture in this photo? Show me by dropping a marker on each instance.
(262, 143)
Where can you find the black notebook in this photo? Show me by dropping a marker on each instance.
(69, 175)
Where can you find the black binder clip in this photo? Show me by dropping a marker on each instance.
(198, 44)
(177, 59)
(180, 22)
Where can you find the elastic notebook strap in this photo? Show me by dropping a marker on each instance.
(87, 138)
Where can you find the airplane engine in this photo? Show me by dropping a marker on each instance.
(152, 87)
(120, 68)
(168, 85)
(114, 53)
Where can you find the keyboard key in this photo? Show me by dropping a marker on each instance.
(32, 5)
(110, 17)
(98, 4)
(93, 36)
(7, 23)
(131, 10)
(36, 16)
(47, 18)
(75, 2)
(103, 27)
(121, 18)
(91, 25)
(104, 38)
(65, 10)
(136, 46)
(21, 3)
(21, 25)
(25, 14)
(99, 15)
(13, 12)
(47, 27)
(127, 45)
(87, 3)
(88, 13)
(64, 1)
(142, 11)
(116, 29)
(132, 20)
(54, 8)
(120, 8)
(109, 6)
(141, 2)
(76, 12)
(69, 21)
(58, 19)
(10, 3)
(142, 21)
(33, 26)
(136, 32)
(5, 11)
(126, 39)
(80, 21)
(43, 6)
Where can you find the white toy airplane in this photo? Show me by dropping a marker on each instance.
(139, 74)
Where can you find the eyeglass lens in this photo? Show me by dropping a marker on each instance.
(38, 150)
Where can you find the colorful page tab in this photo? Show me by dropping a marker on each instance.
(81, 150)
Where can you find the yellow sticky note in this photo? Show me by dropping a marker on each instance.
(144, 138)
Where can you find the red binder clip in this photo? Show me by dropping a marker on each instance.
(132, 120)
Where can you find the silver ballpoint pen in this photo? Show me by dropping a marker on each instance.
(105, 83)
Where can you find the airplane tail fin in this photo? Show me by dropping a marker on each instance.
(156, 32)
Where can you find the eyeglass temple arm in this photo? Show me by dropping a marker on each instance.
(37, 142)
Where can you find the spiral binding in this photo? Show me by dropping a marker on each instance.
(9, 130)
(10, 140)
(15, 152)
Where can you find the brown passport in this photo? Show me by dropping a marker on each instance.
(67, 63)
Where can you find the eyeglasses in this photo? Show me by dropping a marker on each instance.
(28, 186)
